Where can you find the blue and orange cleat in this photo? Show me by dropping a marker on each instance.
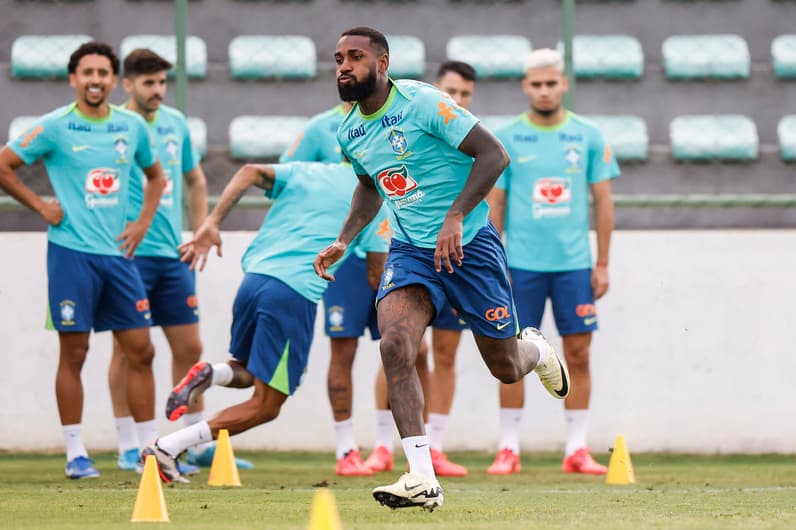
(205, 458)
(188, 390)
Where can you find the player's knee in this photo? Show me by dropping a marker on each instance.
(395, 351)
(267, 412)
(190, 352)
(507, 372)
(74, 355)
(578, 360)
(141, 355)
(444, 359)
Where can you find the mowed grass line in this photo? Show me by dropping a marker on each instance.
(673, 491)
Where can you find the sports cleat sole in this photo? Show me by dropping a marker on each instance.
(394, 501)
(177, 405)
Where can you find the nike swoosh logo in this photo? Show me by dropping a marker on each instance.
(503, 325)
(564, 383)
(524, 159)
(407, 487)
(421, 445)
(78, 148)
(589, 321)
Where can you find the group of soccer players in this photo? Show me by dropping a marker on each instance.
(388, 193)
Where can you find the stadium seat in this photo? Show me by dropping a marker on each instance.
(272, 57)
(786, 130)
(166, 46)
(407, 56)
(713, 137)
(706, 56)
(783, 54)
(42, 56)
(627, 135)
(19, 125)
(493, 122)
(198, 131)
(613, 56)
(263, 136)
(498, 56)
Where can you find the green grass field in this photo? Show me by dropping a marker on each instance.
(672, 492)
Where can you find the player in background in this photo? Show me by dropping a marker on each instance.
(411, 145)
(349, 302)
(274, 311)
(89, 148)
(457, 79)
(542, 201)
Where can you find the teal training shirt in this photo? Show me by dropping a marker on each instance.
(88, 161)
(547, 191)
(410, 149)
(311, 202)
(318, 141)
(177, 156)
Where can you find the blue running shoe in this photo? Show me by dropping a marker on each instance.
(129, 460)
(187, 469)
(81, 467)
(205, 458)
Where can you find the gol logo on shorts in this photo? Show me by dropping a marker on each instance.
(585, 310)
(142, 305)
(497, 313)
(192, 301)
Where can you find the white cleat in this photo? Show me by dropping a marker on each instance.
(551, 369)
(410, 490)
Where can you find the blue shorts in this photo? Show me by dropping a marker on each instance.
(350, 302)
(571, 295)
(94, 291)
(272, 328)
(171, 289)
(479, 290)
(448, 318)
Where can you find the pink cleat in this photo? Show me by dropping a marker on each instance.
(380, 460)
(444, 467)
(351, 465)
(582, 462)
(506, 462)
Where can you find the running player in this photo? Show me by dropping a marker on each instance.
(557, 159)
(89, 148)
(433, 163)
(274, 310)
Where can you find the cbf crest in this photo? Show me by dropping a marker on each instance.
(173, 149)
(120, 146)
(398, 141)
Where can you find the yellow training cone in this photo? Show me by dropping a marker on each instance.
(150, 505)
(323, 512)
(224, 470)
(620, 468)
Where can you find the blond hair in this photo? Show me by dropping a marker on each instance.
(544, 57)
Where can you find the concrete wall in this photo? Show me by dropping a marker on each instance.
(693, 355)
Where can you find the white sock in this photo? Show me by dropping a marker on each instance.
(344, 431)
(73, 437)
(577, 426)
(147, 432)
(385, 427)
(436, 429)
(125, 434)
(509, 429)
(189, 418)
(418, 456)
(177, 442)
(222, 374)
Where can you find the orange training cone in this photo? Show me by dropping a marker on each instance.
(323, 512)
(224, 470)
(620, 468)
(150, 505)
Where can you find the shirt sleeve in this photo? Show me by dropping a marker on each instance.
(36, 142)
(145, 152)
(283, 172)
(442, 117)
(600, 158)
(190, 158)
(305, 147)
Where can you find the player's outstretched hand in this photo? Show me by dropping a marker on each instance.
(52, 213)
(449, 245)
(195, 251)
(328, 257)
(131, 237)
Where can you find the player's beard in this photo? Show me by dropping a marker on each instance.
(546, 113)
(359, 90)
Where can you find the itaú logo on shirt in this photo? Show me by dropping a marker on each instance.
(396, 182)
(102, 185)
(552, 190)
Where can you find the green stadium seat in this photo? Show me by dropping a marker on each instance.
(612, 56)
(19, 125)
(43, 56)
(783, 54)
(166, 47)
(263, 136)
(498, 56)
(706, 57)
(272, 57)
(493, 122)
(627, 135)
(407, 56)
(198, 131)
(786, 130)
(714, 137)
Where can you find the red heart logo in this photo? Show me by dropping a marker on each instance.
(557, 190)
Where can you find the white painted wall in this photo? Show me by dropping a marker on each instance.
(693, 355)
